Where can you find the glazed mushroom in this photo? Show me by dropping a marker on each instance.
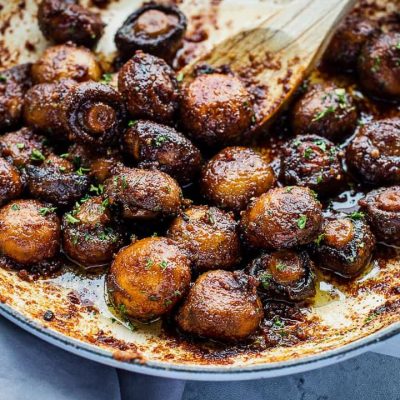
(312, 161)
(282, 218)
(64, 20)
(22, 147)
(14, 82)
(234, 176)
(345, 47)
(209, 236)
(54, 181)
(325, 110)
(29, 232)
(43, 107)
(90, 236)
(156, 29)
(93, 114)
(156, 146)
(345, 245)
(66, 61)
(379, 66)
(374, 153)
(149, 88)
(285, 274)
(11, 182)
(147, 278)
(221, 305)
(382, 207)
(216, 109)
(143, 194)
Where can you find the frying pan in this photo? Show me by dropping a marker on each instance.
(345, 319)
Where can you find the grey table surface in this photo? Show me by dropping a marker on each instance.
(31, 369)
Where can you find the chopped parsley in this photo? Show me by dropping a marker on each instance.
(377, 64)
(320, 178)
(71, 219)
(3, 78)
(281, 266)
(106, 78)
(149, 263)
(177, 293)
(302, 221)
(321, 144)
(322, 114)
(211, 218)
(46, 210)
(82, 171)
(164, 264)
(265, 279)
(278, 323)
(168, 302)
(319, 239)
(132, 123)
(97, 189)
(356, 215)
(64, 155)
(180, 77)
(307, 153)
(20, 145)
(159, 140)
(37, 155)
(15, 207)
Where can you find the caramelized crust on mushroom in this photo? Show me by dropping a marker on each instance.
(221, 305)
(66, 61)
(11, 183)
(29, 232)
(157, 29)
(148, 277)
(156, 146)
(14, 82)
(90, 236)
(65, 20)
(285, 274)
(235, 175)
(374, 153)
(22, 147)
(216, 109)
(312, 161)
(282, 218)
(326, 111)
(149, 88)
(382, 207)
(144, 194)
(345, 246)
(209, 236)
(379, 66)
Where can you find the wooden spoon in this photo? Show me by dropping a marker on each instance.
(273, 58)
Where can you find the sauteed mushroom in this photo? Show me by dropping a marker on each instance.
(312, 161)
(158, 146)
(65, 20)
(345, 246)
(284, 274)
(382, 207)
(374, 153)
(209, 236)
(325, 110)
(282, 218)
(14, 82)
(221, 305)
(216, 109)
(29, 232)
(235, 175)
(149, 88)
(148, 278)
(66, 61)
(90, 236)
(157, 29)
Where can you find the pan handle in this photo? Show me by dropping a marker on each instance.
(390, 347)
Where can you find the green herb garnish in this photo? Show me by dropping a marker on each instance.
(71, 219)
(37, 155)
(302, 221)
(46, 210)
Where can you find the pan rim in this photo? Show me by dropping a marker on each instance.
(214, 373)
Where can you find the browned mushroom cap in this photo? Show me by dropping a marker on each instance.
(235, 175)
(29, 231)
(149, 88)
(14, 82)
(282, 218)
(66, 61)
(65, 20)
(374, 153)
(148, 277)
(154, 28)
(11, 183)
(379, 66)
(90, 236)
(209, 236)
(221, 305)
(144, 194)
(382, 207)
(344, 247)
(156, 146)
(325, 110)
(216, 109)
